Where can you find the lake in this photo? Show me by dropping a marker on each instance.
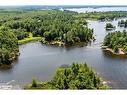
(39, 61)
(98, 9)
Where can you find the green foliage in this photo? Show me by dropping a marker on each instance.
(76, 76)
(48, 25)
(116, 40)
(122, 23)
(34, 83)
(20, 33)
(52, 25)
(29, 39)
(109, 26)
(8, 47)
(104, 16)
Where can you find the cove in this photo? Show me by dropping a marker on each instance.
(40, 61)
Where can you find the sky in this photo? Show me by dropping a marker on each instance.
(63, 2)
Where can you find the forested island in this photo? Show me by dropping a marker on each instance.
(109, 26)
(76, 76)
(116, 42)
(122, 23)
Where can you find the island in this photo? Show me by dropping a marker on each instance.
(109, 27)
(116, 42)
(75, 76)
(122, 23)
(64, 28)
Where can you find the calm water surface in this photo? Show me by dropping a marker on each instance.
(100, 9)
(41, 61)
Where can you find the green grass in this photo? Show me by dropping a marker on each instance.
(29, 39)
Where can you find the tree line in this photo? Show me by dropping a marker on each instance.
(104, 16)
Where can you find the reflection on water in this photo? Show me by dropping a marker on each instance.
(111, 55)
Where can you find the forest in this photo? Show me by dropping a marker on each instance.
(9, 49)
(116, 41)
(75, 76)
(63, 28)
(109, 26)
(47, 26)
(104, 16)
(52, 26)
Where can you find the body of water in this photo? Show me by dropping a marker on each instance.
(40, 61)
(98, 9)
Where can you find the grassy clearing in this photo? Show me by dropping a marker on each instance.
(29, 39)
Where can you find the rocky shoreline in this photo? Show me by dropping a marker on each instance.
(120, 51)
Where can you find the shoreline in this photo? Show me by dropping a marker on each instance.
(20, 42)
(29, 39)
(61, 44)
(8, 66)
(120, 52)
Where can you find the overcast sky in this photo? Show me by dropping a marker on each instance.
(63, 2)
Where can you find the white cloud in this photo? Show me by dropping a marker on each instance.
(63, 2)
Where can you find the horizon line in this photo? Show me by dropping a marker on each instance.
(60, 5)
